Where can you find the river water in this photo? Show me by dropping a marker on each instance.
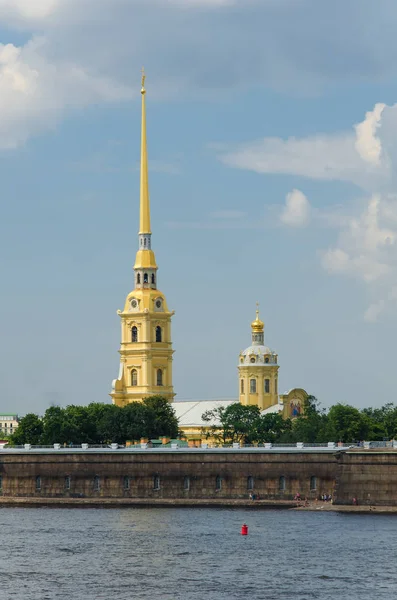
(195, 554)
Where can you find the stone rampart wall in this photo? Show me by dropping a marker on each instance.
(370, 476)
(179, 474)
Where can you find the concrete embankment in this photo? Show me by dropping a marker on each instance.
(28, 502)
(145, 503)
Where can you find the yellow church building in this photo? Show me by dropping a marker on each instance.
(146, 352)
(146, 348)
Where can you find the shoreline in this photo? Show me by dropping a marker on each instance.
(30, 502)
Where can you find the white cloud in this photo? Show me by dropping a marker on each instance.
(296, 212)
(34, 94)
(363, 248)
(366, 246)
(355, 157)
(105, 41)
(373, 311)
(28, 9)
(368, 145)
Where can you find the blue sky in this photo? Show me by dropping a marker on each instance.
(271, 131)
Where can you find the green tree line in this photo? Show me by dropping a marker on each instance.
(342, 422)
(98, 424)
(105, 423)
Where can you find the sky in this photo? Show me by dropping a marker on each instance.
(273, 164)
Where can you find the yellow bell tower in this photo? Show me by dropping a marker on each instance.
(146, 347)
(258, 370)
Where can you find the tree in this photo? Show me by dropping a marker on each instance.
(30, 431)
(135, 421)
(235, 423)
(161, 418)
(271, 428)
(109, 423)
(54, 426)
(383, 421)
(347, 423)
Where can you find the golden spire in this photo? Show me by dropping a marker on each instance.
(144, 218)
(257, 326)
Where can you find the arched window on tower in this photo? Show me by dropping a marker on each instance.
(158, 333)
(159, 377)
(253, 386)
(153, 279)
(242, 386)
(145, 278)
(267, 386)
(134, 334)
(144, 243)
(134, 377)
(138, 278)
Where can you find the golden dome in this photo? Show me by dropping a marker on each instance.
(257, 326)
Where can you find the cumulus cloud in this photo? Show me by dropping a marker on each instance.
(296, 212)
(34, 93)
(104, 42)
(366, 248)
(368, 145)
(28, 9)
(352, 156)
(366, 156)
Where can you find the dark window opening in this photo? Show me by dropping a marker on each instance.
(145, 278)
(134, 377)
(159, 377)
(134, 334)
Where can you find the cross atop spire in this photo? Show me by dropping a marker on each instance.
(143, 91)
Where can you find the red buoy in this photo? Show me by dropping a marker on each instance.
(244, 529)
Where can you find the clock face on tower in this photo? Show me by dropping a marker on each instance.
(134, 303)
(158, 303)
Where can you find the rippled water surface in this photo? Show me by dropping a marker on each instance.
(190, 554)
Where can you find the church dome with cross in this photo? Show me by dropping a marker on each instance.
(258, 369)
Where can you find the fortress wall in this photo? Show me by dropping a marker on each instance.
(368, 475)
(19, 472)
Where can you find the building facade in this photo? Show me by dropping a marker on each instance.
(146, 347)
(258, 370)
(8, 423)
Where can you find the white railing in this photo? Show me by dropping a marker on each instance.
(299, 446)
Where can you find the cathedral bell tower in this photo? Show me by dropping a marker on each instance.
(146, 348)
(258, 370)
